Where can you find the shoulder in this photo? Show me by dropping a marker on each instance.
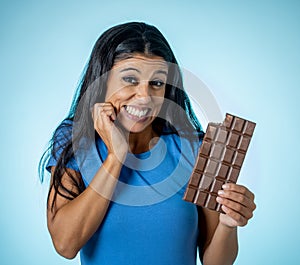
(63, 133)
(64, 127)
(61, 147)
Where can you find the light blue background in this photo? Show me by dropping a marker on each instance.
(247, 52)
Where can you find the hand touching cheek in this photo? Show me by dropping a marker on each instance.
(104, 118)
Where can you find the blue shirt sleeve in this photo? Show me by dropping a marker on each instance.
(61, 137)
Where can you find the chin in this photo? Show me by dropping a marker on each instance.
(135, 128)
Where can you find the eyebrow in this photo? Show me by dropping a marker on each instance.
(129, 69)
(161, 72)
(134, 69)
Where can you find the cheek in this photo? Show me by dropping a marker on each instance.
(113, 89)
(158, 100)
(117, 97)
(114, 99)
(158, 97)
(158, 105)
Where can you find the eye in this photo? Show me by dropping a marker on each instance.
(131, 80)
(157, 83)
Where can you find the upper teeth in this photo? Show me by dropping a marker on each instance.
(136, 112)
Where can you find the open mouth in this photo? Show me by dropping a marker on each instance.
(137, 112)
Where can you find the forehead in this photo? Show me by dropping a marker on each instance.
(142, 62)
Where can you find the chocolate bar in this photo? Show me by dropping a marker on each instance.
(220, 158)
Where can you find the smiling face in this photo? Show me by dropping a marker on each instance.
(136, 88)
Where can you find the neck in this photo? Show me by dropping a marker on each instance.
(142, 141)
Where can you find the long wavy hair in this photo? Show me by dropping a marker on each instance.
(117, 43)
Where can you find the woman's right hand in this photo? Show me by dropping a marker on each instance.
(104, 117)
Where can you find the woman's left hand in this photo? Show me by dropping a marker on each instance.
(237, 203)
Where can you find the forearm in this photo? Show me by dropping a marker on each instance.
(223, 247)
(75, 222)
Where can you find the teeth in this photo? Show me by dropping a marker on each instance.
(136, 112)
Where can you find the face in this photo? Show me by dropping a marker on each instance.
(136, 88)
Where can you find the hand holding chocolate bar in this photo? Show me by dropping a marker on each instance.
(212, 183)
(237, 203)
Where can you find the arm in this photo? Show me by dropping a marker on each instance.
(72, 222)
(219, 244)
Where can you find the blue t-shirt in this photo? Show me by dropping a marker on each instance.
(147, 221)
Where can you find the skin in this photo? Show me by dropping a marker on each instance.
(135, 93)
(138, 83)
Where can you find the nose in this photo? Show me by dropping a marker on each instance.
(143, 92)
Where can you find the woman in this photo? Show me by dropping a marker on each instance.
(132, 109)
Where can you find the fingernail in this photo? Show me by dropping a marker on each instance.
(224, 208)
(219, 199)
(221, 192)
(225, 186)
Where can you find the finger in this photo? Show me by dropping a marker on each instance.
(95, 111)
(100, 118)
(237, 197)
(102, 105)
(109, 110)
(237, 217)
(236, 207)
(106, 115)
(240, 189)
(105, 110)
(107, 105)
